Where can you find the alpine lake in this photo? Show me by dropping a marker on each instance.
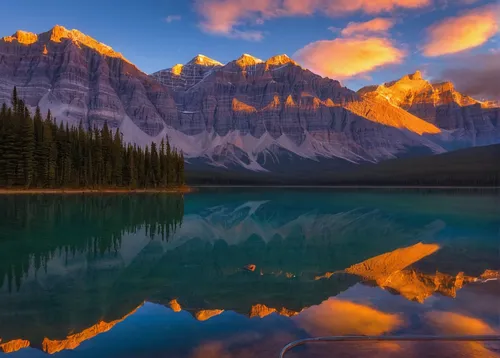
(241, 272)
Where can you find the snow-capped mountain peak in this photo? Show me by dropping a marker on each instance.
(204, 61)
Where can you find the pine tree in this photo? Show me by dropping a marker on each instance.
(117, 159)
(107, 148)
(27, 142)
(97, 159)
(155, 166)
(11, 152)
(39, 155)
(3, 161)
(48, 174)
(169, 165)
(35, 152)
(14, 97)
(163, 164)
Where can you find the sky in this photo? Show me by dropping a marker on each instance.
(358, 42)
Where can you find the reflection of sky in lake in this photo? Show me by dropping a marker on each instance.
(81, 304)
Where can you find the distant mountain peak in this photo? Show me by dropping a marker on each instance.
(417, 76)
(248, 60)
(279, 60)
(413, 89)
(22, 37)
(59, 33)
(204, 61)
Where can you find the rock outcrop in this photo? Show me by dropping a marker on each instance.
(470, 122)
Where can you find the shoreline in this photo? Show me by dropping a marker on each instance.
(175, 190)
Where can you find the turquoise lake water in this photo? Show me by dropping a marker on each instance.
(157, 275)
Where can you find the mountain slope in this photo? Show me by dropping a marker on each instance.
(80, 79)
(258, 112)
(249, 113)
(470, 122)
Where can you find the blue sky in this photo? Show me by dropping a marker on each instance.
(140, 30)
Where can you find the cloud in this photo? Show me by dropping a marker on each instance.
(456, 34)
(477, 76)
(339, 317)
(346, 57)
(222, 17)
(377, 25)
(172, 18)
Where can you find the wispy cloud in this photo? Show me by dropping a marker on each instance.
(377, 25)
(223, 17)
(172, 18)
(468, 30)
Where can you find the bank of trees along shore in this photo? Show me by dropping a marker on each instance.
(36, 152)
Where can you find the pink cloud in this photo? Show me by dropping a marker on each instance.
(223, 16)
(457, 34)
(377, 25)
(347, 57)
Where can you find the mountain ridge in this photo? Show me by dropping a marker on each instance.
(246, 113)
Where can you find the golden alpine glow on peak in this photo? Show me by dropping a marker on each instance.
(22, 37)
(279, 60)
(246, 60)
(59, 33)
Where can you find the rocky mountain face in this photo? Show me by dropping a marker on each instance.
(248, 113)
(469, 122)
(253, 113)
(80, 79)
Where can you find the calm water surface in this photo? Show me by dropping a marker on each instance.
(164, 276)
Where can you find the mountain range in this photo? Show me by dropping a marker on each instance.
(271, 115)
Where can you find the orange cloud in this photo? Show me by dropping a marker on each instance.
(456, 34)
(223, 16)
(457, 324)
(338, 317)
(346, 57)
(377, 25)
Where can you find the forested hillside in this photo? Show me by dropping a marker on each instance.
(35, 152)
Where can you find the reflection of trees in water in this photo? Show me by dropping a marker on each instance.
(37, 227)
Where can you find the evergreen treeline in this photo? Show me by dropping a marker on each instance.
(35, 152)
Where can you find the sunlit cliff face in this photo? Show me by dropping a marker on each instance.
(413, 89)
(22, 37)
(377, 111)
(59, 34)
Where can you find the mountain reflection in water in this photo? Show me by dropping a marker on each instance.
(163, 275)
